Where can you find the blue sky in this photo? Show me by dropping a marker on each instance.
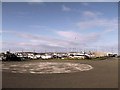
(59, 26)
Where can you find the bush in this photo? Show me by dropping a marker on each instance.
(11, 57)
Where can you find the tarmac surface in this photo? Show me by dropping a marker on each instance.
(103, 75)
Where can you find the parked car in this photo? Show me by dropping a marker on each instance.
(46, 56)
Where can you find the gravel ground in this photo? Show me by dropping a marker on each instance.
(103, 75)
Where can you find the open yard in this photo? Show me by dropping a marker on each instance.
(103, 74)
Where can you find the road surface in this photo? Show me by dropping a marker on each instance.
(104, 75)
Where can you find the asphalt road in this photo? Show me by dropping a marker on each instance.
(104, 75)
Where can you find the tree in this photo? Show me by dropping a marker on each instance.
(11, 57)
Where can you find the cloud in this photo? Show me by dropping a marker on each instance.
(68, 39)
(68, 34)
(80, 39)
(20, 34)
(95, 23)
(38, 41)
(65, 8)
(0, 31)
(90, 14)
(91, 20)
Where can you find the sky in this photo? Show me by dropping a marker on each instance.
(60, 26)
(60, 1)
